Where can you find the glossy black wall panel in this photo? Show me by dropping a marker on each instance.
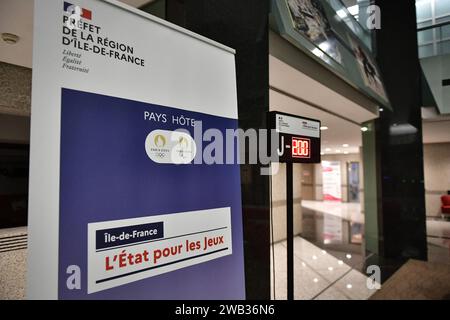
(242, 25)
(399, 135)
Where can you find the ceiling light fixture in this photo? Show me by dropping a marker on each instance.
(10, 38)
(345, 145)
(364, 129)
(323, 128)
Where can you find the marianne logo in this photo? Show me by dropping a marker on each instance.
(74, 9)
(75, 14)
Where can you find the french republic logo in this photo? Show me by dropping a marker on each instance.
(74, 9)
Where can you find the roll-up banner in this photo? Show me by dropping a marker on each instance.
(119, 206)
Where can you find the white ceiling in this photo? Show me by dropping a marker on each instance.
(339, 131)
(16, 16)
(292, 81)
(296, 84)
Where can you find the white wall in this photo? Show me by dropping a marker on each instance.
(278, 190)
(436, 158)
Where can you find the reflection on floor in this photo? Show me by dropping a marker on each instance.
(438, 234)
(336, 227)
(318, 275)
(330, 261)
(438, 237)
(343, 210)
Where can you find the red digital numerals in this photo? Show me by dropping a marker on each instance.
(301, 148)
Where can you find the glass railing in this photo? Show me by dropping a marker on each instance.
(434, 40)
(344, 15)
(327, 31)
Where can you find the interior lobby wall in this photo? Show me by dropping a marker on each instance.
(344, 159)
(437, 175)
(15, 89)
(15, 103)
(14, 129)
(278, 190)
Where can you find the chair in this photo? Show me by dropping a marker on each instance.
(445, 207)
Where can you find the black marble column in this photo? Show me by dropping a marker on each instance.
(399, 136)
(242, 25)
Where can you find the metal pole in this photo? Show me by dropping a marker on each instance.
(290, 230)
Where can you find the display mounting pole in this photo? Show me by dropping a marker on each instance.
(290, 230)
(299, 139)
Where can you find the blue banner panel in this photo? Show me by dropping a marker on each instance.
(133, 225)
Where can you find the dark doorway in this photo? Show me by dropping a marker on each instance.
(14, 164)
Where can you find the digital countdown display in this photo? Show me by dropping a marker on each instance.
(301, 148)
(299, 138)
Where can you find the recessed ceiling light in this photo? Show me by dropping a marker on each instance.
(345, 145)
(338, 151)
(322, 153)
(345, 152)
(323, 128)
(364, 129)
(327, 149)
(381, 109)
(10, 38)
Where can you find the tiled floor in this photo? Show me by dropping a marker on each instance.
(317, 275)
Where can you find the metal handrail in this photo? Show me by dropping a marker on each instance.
(437, 25)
